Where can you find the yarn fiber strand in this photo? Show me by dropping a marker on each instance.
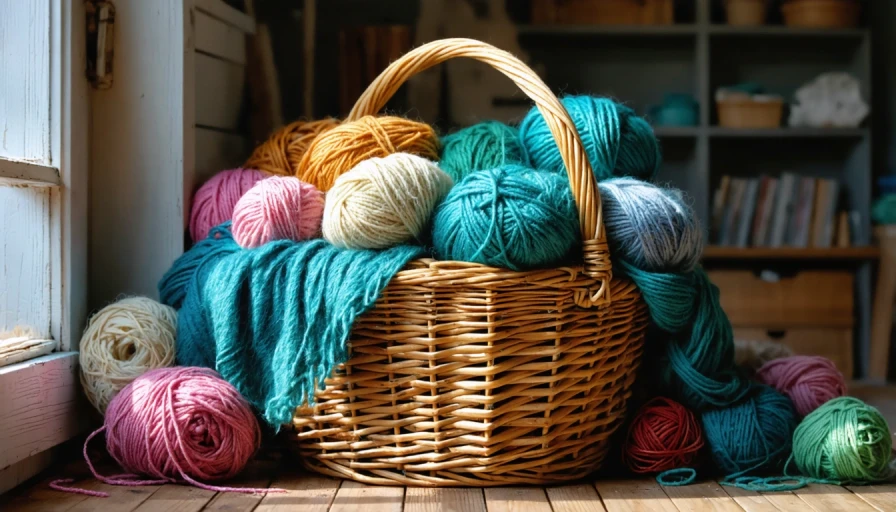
(482, 146)
(123, 341)
(809, 381)
(177, 424)
(341, 148)
(284, 149)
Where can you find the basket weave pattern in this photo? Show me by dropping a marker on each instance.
(464, 374)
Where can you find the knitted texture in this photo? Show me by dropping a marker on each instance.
(809, 381)
(341, 148)
(617, 141)
(484, 145)
(510, 217)
(277, 208)
(213, 203)
(383, 202)
(284, 149)
(274, 321)
(123, 341)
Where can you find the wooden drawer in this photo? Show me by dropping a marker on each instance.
(816, 298)
(834, 344)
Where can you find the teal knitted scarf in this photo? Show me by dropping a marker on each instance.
(274, 321)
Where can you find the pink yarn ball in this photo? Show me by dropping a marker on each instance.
(214, 201)
(181, 423)
(809, 381)
(277, 208)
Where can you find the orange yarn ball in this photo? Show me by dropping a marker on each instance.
(284, 149)
(340, 149)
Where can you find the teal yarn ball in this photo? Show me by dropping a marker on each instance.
(484, 145)
(618, 142)
(651, 227)
(844, 441)
(511, 217)
(753, 436)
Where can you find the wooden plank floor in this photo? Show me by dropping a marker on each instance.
(310, 493)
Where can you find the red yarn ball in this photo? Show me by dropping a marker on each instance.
(809, 381)
(663, 435)
(213, 203)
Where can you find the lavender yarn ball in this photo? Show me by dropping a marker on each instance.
(649, 226)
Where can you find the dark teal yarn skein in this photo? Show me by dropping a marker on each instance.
(753, 436)
(484, 145)
(511, 217)
(618, 142)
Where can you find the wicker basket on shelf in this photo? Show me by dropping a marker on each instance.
(467, 375)
(603, 12)
(746, 12)
(750, 113)
(821, 13)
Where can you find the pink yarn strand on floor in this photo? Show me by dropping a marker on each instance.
(176, 425)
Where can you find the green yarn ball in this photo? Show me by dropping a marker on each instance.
(512, 217)
(753, 435)
(618, 142)
(844, 441)
(484, 145)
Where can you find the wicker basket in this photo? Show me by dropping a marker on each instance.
(744, 113)
(603, 12)
(746, 12)
(821, 13)
(470, 375)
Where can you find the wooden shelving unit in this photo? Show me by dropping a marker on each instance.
(700, 53)
(715, 252)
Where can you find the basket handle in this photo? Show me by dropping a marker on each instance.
(581, 178)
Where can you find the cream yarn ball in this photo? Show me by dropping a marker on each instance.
(122, 342)
(383, 202)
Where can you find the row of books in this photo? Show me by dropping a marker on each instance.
(792, 211)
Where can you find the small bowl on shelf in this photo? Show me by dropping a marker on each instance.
(746, 12)
(821, 13)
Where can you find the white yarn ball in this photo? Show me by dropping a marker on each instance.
(122, 342)
(383, 202)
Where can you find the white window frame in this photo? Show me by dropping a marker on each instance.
(40, 401)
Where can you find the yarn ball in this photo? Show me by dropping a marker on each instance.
(284, 149)
(663, 435)
(383, 202)
(750, 355)
(122, 342)
(511, 217)
(340, 149)
(277, 208)
(844, 441)
(175, 284)
(214, 201)
(617, 141)
(484, 145)
(181, 423)
(651, 227)
(753, 435)
(809, 381)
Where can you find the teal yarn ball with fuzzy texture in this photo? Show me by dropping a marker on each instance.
(484, 145)
(511, 217)
(844, 441)
(752, 436)
(618, 142)
(653, 228)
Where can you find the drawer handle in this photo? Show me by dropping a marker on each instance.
(776, 335)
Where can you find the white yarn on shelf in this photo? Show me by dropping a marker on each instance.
(122, 342)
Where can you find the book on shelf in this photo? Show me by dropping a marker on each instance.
(791, 210)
